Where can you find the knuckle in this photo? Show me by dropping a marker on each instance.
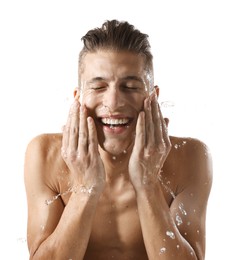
(74, 130)
(161, 148)
(82, 138)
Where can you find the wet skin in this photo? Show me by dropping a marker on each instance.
(130, 186)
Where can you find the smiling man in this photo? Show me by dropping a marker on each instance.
(114, 184)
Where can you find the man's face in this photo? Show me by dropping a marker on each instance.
(113, 88)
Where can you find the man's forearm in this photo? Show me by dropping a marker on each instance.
(70, 238)
(161, 235)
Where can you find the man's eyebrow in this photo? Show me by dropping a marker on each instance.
(98, 79)
(133, 78)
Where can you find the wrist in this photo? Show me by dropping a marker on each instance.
(87, 189)
(149, 191)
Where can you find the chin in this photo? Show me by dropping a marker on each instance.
(115, 148)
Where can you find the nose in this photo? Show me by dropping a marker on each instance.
(114, 98)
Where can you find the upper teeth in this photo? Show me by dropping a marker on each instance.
(113, 121)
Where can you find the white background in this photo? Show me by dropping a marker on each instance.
(196, 65)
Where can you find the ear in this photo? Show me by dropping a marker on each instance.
(157, 90)
(166, 121)
(76, 93)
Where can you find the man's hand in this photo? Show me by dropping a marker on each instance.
(80, 151)
(152, 146)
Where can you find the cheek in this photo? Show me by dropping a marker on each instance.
(88, 99)
(139, 102)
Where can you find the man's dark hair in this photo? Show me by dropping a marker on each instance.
(117, 36)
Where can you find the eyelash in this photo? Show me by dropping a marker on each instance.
(130, 88)
(124, 86)
(98, 88)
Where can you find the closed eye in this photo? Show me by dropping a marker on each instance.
(128, 87)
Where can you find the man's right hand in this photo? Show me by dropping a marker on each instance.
(80, 151)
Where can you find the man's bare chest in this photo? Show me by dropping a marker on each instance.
(116, 228)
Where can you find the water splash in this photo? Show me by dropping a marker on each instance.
(50, 201)
(21, 240)
(82, 189)
(167, 104)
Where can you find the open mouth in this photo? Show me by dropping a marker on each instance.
(115, 122)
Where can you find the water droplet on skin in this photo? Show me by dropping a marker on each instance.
(176, 146)
(189, 223)
(178, 246)
(144, 179)
(124, 151)
(162, 250)
(114, 157)
(178, 220)
(170, 234)
(181, 207)
(198, 231)
(48, 202)
(42, 227)
(166, 187)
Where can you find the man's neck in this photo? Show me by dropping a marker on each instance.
(116, 166)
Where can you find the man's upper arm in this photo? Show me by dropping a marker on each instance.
(42, 218)
(189, 206)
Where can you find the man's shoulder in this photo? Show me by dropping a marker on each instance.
(193, 155)
(45, 144)
(188, 144)
(46, 139)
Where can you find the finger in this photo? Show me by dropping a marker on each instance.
(83, 131)
(74, 127)
(140, 133)
(164, 128)
(149, 126)
(65, 138)
(92, 136)
(157, 120)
